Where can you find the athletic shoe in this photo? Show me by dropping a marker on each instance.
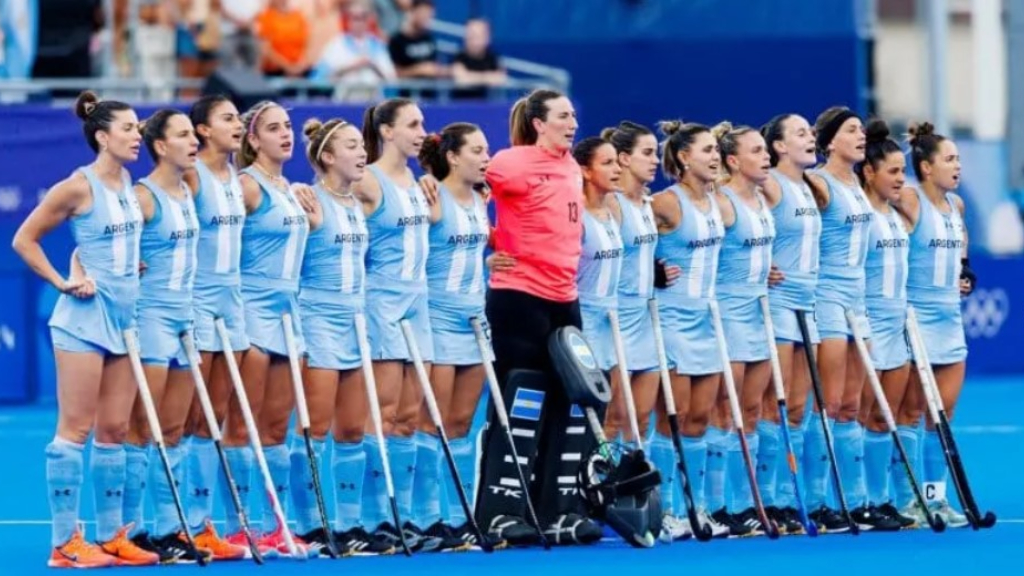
(905, 522)
(220, 548)
(829, 521)
(738, 527)
(176, 545)
(450, 542)
(787, 519)
(358, 542)
(77, 553)
(275, 541)
(869, 518)
(426, 543)
(952, 518)
(125, 552)
(514, 530)
(387, 533)
(915, 513)
(573, 529)
(142, 540)
(239, 539)
(466, 534)
(718, 530)
(316, 539)
(674, 528)
(750, 519)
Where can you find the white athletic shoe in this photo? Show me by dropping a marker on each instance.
(915, 513)
(674, 528)
(952, 518)
(717, 530)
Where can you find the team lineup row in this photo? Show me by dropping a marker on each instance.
(278, 274)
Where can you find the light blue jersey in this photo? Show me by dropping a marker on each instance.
(936, 247)
(273, 239)
(639, 239)
(335, 253)
(694, 246)
(795, 251)
(746, 255)
(107, 238)
(844, 236)
(886, 265)
(168, 247)
(400, 229)
(457, 242)
(221, 213)
(600, 261)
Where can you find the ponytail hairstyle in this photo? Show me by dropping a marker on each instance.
(679, 137)
(434, 154)
(924, 144)
(879, 145)
(200, 112)
(154, 129)
(383, 114)
(318, 140)
(728, 140)
(583, 152)
(625, 136)
(774, 131)
(96, 115)
(533, 106)
(250, 120)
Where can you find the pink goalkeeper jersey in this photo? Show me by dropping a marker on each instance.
(538, 197)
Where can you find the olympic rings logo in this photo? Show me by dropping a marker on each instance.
(985, 311)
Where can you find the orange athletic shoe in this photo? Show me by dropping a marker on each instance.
(222, 549)
(126, 552)
(77, 553)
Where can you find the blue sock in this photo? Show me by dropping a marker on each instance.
(279, 464)
(816, 466)
(307, 515)
(769, 435)
(785, 490)
(348, 464)
(64, 476)
(426, 489)
(201, 481)
(402, 452)
(136, 469)
(695, 451)
(106, 465)
(240, 462)
(934, 458)
(166, 512)
(664, 459)
(910, 437)
(741, 496)
(878, 457)
(849, 439)
(375, 494)
(718, 449)
(464, 453)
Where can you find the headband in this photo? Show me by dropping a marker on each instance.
(327, 138)
(828, 131)
(256, 115)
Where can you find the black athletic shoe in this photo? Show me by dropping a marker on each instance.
(316, 540)
(358, 542)
(829, 521)
(427, 543)
(573, 529)
(737, 529)
(889, 510)
(466, 534)
(791, 518)
(750, 519)
(142, 540)
(513, 530)
(387, 533)
(176, 545)
(782, 521)
(869, 518)
(450, 542)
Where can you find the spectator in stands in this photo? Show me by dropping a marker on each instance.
(414, 49)
(239, 45)
(156, 43)
(391, 14)
(283, 31)
(356, 61)
(477, 65)
(66, 29)
(198, 39)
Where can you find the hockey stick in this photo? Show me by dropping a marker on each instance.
(701, 531)
(158, 437)
(215, 435)
(499, 409)
(378, 427)
(303, 415)
(254, 439)
(780, 397)
(435, 417)
(934, 521)
(624, 379)
(819, 399)
(737, 417)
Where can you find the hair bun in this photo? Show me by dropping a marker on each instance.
(876, 131)
(311, 127)
(721, 129)
(670, 127)
(918, 131)
(607, 133)
(86, 104)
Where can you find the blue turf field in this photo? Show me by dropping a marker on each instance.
(989, 427)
